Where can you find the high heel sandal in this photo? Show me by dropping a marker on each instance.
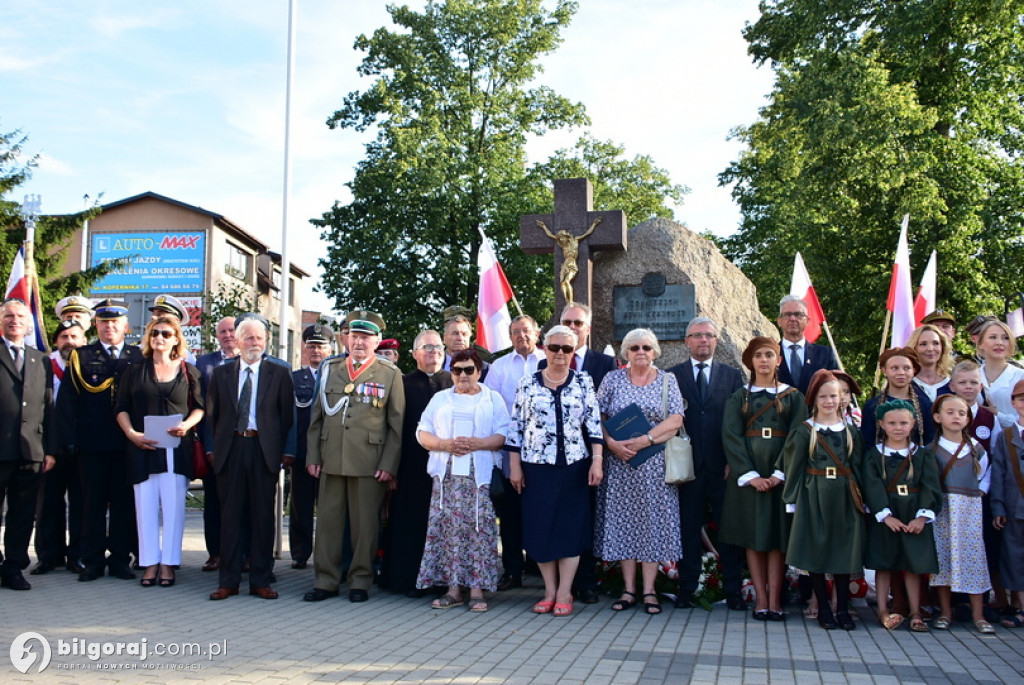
(149, 582)
(167, 582)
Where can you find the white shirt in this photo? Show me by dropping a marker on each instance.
(507, 371)
(242, 366)
(706, 370)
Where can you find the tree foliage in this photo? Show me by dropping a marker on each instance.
(453, 104)
(52, 237)
(882, 108)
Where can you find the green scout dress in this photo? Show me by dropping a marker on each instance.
(889, 483)
(827, 535)
(753, 445)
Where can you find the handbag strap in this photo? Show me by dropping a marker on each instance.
(664, 406)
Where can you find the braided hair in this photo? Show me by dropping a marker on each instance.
(965, 438)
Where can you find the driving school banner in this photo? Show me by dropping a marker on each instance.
(160, 262)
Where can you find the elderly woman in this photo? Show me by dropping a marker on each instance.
(555, 425)
(462, 427)
(935, 356)
(163, 385)
(637, 512)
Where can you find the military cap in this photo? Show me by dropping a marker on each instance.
(388, 344)
(73, 303)
(365, 322)
(318, 333)
(252, 315)
(109, 308)
(454, 310)
(939, 315)
(65, 325)
(169, 304)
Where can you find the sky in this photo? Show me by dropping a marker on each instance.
(187, 99)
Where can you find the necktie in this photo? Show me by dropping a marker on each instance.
(244, 400)
(572, 362)
(702, 382)
(113, 351)
(794, 363)
(19, 360)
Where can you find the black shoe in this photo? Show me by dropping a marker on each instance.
(684, 601)
(122, 572)
(14, 580)
(90, 574)
(776, 615)
(42, 568)
(826, 620)
(509, 581)
(75, 566)
(845, 621)
(318, 595)
(299, 565)
(358, 595)
(736, 603)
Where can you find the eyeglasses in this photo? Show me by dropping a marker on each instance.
(792, 315)
(574, 322)
(637, 348)
(162, 333)
(431, 348)
(565, 349)
(702, 336)
(460, 370)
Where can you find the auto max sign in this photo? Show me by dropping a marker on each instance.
(159, 262)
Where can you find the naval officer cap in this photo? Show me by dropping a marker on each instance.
(169, 304)
(108, 309)
(318, 333)
(73, 303)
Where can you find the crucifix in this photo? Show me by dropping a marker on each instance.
(572, 233)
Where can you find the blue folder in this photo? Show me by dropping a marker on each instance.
(631, 423)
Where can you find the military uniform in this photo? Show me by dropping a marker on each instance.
(363, 436)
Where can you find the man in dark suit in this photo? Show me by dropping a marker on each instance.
(705, 385)
(86, 427)
(578, 316)
(225, 332)
(27, 442)
(250, 407)
(797, 354)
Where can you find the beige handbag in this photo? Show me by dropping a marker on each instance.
(678, 450)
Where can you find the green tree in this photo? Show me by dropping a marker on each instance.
(52, 237)
(453, 104)
(881, 109)
(229, 299)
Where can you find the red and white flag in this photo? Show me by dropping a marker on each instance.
(492, 319)
(22, 284)
(801, 287)
(901, 292)
(924, 303)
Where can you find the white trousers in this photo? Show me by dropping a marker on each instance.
(161, 495)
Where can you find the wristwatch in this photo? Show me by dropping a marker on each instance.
(650, 437)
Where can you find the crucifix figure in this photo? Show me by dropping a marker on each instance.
(577, 230)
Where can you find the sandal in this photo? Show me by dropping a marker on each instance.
(892, 621)
(544, 607)
(623, 604)
(917, 625)
(1014, 621)
(811, 612)
(446, 601)
(150, 581)
(164, 580)
(563, 609)
(984, 627)
(652, 608)
(477, 605)
(942, 623)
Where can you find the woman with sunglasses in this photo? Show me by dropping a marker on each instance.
(163, 385)
(555, 427)
(463, 427)
(637, 512)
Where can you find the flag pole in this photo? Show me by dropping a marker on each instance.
(881, 348)
(30, 210)
(832, 344)
(515, 300)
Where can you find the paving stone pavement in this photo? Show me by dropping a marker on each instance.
(393, 639)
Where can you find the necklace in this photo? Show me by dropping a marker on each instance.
(554, 381)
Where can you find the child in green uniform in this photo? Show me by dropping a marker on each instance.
(755, 423)
(902, 492)
(822, 458)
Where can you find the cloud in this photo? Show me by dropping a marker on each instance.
(52, 165)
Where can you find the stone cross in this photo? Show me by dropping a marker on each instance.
(572, 232)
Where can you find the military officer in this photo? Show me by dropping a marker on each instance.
(354, 443)
(75, 308)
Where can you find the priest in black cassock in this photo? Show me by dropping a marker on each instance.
(406, 533)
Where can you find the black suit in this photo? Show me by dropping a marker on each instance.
(211, 500)
(247, 467)
(26, 436)
(816, 357)
(304, 486)
(704, 426)
(86, 427)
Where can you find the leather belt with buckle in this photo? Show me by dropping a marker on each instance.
(247, 433)
(830, 472)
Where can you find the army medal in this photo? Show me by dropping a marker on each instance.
(349, 388)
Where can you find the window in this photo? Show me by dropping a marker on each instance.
(238, 262)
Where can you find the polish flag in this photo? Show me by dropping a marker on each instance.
(23, 285)
(492, 319)
(901, 292)
(802, 288)
(924, 303)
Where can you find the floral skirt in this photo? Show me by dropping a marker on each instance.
(462, 537)
(960, 546)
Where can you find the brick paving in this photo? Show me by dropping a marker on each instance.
(393, 639)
